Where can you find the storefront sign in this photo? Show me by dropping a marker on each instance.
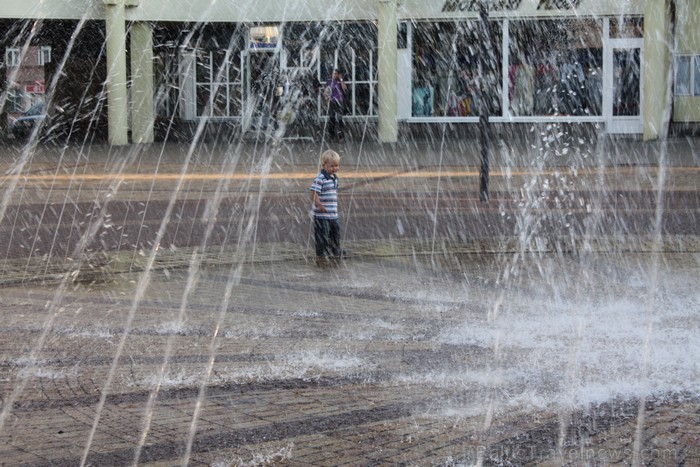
(264, 37)
(474, 5)
(262, 45)
(507, 5)
(558, 4)
(37, 88)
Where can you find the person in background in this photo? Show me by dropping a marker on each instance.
(335, 94)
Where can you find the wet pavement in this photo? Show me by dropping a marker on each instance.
(377, 361)
(63, 205)
(554, 325)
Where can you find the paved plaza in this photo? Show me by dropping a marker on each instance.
(373, 362)
(554, 325)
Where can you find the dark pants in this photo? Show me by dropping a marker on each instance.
(336, 129)
(327, 236)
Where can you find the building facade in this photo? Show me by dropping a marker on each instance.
(629, 66)
(26, 70)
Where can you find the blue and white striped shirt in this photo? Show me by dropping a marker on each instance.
(327, 189)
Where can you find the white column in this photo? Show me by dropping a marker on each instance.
(505, 76)
(386, 70)
(657, 64)
(187, 64)
(117, 97)
(142, 110)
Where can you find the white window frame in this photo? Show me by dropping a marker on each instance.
(44, 55)
(349, 78)
(15, 99)
(13, 57)
(187, 64)
(228, 87)
(695, 74)
(693, 86)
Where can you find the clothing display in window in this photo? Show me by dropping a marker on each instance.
(522, 89)
(571, 79)
(423, 101)
(459, 105)
(546, 79)
(594, 91)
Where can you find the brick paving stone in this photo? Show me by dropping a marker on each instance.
(372, 362)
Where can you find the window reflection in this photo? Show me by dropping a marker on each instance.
(352, 48)
(555, 67)
(446, 69)
(626, 82)
(627, 27)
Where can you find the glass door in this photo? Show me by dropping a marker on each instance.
(262, 75)
(624, 59)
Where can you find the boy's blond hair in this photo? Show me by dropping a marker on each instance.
(329, 156)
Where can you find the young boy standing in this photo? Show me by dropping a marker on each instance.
(324, 194)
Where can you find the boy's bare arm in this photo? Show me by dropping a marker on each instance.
(317, 201)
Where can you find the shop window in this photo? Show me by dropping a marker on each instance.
(301, 44)
(375, 101)
(363, 65)
(626, 80)
(234, 69)
(360, 76)
(362, 99)
(351, 48)
(44, 55)
(345, 64)
(165, 65)
(683, 75)
(555, 67)
(402, 36)
(204, 68)
(12, 57)
(687, 80)
(203, 100)
(220, 100)
(627, 28)
(14, 100)
(309, 56)
(235, 97)
(328, 63)
(362, 81)
(293, 49)
(446, 69)
(218, 84)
